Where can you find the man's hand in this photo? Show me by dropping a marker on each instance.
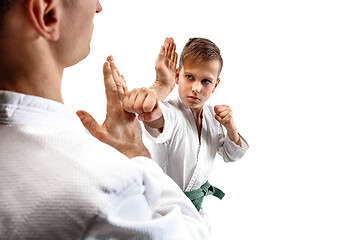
(165, 67)
(120, 129)
(224, 115)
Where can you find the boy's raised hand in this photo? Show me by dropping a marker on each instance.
(120, 129)
(165, 67)
(143, 101)
(224, 115)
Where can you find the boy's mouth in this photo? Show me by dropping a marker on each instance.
(193, 98)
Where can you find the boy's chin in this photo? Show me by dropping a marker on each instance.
(193, 105)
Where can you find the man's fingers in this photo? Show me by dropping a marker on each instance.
(89, 123)
(118, 79)
(110, 86)
(122, 78)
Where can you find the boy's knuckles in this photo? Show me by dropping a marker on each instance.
(148, 108)
(138, 109)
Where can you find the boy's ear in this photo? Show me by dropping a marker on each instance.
(45, 17)
(177, 75)
(216, 84)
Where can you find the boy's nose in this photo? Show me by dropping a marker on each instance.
(196, 87)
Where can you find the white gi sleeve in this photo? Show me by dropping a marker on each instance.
(171, 120)
(229, 150)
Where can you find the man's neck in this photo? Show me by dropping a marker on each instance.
(39, 77)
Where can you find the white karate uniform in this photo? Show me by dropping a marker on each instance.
(178, 150)
(58, 182)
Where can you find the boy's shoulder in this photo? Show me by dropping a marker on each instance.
(174, 105)
(208, 110)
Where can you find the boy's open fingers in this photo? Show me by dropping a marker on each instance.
(173, 53)
(171, 50)
(175, 59)
(166, 45)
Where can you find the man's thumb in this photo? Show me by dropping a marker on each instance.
(89, 123)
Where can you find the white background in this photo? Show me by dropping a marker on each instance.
(291, 73)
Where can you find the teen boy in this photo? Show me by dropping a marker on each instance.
(186, 132)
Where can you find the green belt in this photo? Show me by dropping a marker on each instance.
(197, 196)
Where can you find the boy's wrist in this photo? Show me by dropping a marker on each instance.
(234, 136)
(163, 89)
(164, 84)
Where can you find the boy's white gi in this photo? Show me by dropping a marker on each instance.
(178, 150)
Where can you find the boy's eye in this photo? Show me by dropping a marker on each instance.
(189, 77)
(206, 81)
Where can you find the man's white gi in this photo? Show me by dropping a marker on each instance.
(58, 182)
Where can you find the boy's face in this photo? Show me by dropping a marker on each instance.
(197, 80)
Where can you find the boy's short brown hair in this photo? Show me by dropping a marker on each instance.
(201, 48)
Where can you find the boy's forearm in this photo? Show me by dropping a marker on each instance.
(234, 136)
(162, 89)
(156, 124)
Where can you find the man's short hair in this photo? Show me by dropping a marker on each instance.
(201, 48)
(4, 6)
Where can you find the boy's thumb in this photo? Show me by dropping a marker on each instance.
(151, 116)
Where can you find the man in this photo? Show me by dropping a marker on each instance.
(57, 181)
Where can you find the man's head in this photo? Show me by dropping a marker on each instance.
(39, 38)
(198, 73)
(4, 6)
(65, 26)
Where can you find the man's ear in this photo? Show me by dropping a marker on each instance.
(216, 84)
(177, 75)
(45, 17)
